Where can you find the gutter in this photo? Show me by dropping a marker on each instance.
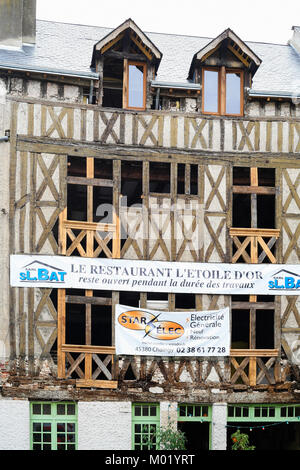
(274, 94)
(181, 86)
(91, 76)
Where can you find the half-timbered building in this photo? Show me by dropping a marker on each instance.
(123, 145)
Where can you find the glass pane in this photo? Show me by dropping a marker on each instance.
(36, 409)
(61, 409)
(71, 427)
(71, 447)
(36, 427)
(145, 411)
(60, 427)
(61, 438)
(37, 446)
(211, 91)
(47, 409)
(283, 412)
(37, 437)
(271, 412)
(61, 447)
(71, 437)
(233, 93)
(47, 447)
(137, 427)
(136, 86)
(71, 409)
(46, 437)
(46, 427)
(153, 411)
(137, 411)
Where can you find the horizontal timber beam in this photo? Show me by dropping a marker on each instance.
(133, 153)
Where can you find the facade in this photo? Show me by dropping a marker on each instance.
(123, 145)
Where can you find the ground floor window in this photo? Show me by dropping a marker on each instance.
(53, 426)
(269, 427)
(195, 421)
(145, 425)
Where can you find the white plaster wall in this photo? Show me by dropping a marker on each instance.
(219, 430)
(168, 414)
(104, 425)
(14, 425)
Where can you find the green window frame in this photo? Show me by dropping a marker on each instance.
(196, 412)
(53, 426)
(145, 425)
(263, 413)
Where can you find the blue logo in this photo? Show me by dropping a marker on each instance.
(286, 280)
(38, 272)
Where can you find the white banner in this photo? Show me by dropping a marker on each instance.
(69, 272)
(146, 332)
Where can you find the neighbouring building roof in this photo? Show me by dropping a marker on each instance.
(67, 49)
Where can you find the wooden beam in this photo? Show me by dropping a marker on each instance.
(89, 181)
(253, 190)
(254, 352)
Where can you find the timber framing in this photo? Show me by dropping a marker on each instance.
(195, 156)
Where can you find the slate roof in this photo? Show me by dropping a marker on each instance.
(67, 49)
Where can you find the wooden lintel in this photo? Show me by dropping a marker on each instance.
(78, 299)
(253, 305)
(83, 348)
(96, 383)
(254, 352)
(94, 226)
(253, 190)
(253, 232)
(89, 181)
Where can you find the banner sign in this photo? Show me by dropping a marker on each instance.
(68, 272)
(154, 333)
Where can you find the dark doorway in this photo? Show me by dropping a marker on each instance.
(197, 435)
(269, 436)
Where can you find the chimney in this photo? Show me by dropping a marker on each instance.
(29, 21)
(295, 40)
(17, 22)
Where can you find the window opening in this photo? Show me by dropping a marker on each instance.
(222, 91)
(187, 179)
(159, 178)
(136, 85)
(233, 93)
(145, 425)
(195, 421)
(53, 426)
(113, 83)
(252, 323)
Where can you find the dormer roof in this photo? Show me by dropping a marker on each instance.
(234, 44)
(146, 46)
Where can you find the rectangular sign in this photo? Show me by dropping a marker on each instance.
(147, 332)
(69, 272)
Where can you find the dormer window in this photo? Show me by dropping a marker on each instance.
(125, 59)
(222, 91)
(135, 87)
(224, 67)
